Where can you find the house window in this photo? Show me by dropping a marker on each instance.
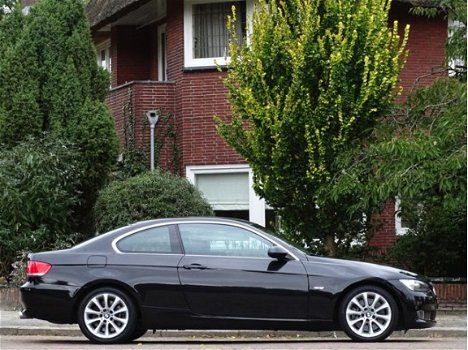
(103, 55)
(206, 37)
(228, 189)
(401, 226)
(210, 33)
(162, 53)
(457, 64)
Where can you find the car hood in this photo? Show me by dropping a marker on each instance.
(332, 267)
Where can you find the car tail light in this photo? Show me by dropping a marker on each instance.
(37, 268)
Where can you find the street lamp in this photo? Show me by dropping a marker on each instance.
(153, 117)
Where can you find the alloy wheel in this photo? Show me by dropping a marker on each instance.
(106, 315)
(368, 314)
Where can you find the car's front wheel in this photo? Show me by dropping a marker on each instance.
(107, 316)
(368, 314)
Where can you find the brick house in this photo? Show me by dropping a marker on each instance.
(161, 55)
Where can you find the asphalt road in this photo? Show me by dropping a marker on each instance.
(80, 343)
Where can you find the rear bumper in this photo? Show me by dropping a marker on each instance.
(49, 302)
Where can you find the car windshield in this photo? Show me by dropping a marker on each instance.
(290, 244)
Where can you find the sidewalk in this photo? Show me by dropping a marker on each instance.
(451, 324)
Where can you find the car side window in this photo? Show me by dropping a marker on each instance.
(162, 239)
(222, 240)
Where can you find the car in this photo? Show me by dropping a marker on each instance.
(216, 273)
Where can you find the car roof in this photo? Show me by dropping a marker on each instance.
(191, 219)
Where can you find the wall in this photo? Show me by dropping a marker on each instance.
(143, 96)
(200, 95)
(131, 52)
(426, 43)
(451, 293)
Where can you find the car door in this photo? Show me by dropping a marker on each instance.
(226, 271)
(147, 259)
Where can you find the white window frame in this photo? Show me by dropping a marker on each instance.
(400, 230)
(452, 25)
(162, 65)
(256, 204)
(189, 60)
(104, 46)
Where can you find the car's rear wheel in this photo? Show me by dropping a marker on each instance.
(106, 316)
(368, 314)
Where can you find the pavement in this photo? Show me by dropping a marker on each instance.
(450, 324)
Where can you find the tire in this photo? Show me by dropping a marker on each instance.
(368, 314)
(107, 316)
(137, 333)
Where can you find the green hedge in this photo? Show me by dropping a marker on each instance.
(38, 181)
(150, 195)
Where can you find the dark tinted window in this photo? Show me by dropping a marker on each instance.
(222, 240)
(154, 240)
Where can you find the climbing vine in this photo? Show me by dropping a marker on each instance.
(134, 160)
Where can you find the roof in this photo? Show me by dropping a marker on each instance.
(102, 12)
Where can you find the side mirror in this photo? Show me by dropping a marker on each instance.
(277, 252)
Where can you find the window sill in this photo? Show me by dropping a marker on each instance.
(204, 69)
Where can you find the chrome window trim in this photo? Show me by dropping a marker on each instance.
(213, 222)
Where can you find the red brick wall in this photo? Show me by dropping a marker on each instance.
(426, 42)
(175, 62)
(144, 96)
(450, 292)
(385, 234)
(25, 3)
(204, 97)
(199, 97)
(131, 53)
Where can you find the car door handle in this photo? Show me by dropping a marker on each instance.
(194, 267)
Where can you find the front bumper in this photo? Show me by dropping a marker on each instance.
(419, 309)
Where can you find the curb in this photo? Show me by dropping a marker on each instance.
(75, 332)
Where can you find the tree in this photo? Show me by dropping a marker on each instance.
(309, 83)
(52, 87)
(418, 153)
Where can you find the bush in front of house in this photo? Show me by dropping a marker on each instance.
(38, 194)
(151, 195)
(435, 245)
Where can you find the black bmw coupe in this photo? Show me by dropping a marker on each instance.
(212, 273)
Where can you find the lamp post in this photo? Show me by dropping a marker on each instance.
(153, 117)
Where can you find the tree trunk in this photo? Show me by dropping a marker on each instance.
(329, 244)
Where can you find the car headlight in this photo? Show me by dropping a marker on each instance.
(416, 285)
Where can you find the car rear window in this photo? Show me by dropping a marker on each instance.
(153, 240)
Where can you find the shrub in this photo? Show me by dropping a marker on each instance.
(38, 194)
(436, 244)
(150, 195)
